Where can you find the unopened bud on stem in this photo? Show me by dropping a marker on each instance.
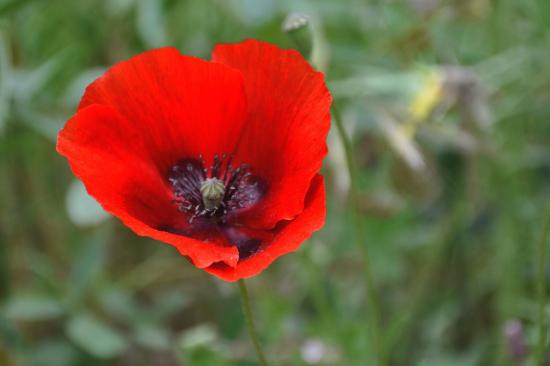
(297, 27)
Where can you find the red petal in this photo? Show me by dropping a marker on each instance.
(183, 105)
(288, 238)
(107, 152)
(288, 121)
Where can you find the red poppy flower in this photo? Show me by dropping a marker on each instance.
(217, 158)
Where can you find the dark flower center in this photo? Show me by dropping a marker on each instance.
(216, 192)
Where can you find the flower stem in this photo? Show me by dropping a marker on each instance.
(373, 308)
(540, 253)
(245, 300)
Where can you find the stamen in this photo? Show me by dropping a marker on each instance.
(214, 192)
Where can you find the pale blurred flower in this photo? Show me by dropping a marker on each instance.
(515, 340)
(313, 351)
(429, 96)
(463, 87)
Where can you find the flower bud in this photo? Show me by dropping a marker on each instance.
(296, 26)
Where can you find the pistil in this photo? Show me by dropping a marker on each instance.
(212, 191)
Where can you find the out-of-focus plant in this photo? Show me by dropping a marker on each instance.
(417, 80)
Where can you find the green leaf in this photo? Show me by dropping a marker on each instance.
(119, 304)
(152, 336)
(8, 6)
(4, 87)
(96, 337)
(26, 84)
(201, 335)
(87, 266)
(76, 88)
(150, 23)
(82, 209)
(169, 303)
(119, 8)
(199, 346)
(53, 353)
(32, 308)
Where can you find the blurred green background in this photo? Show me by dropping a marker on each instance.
(448, 106)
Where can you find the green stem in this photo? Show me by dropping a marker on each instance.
(540, 259)
(4, 270)
(373, 308)
(245, 300)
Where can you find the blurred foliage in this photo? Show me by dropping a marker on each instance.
(448, 104)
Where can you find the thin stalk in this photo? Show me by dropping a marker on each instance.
(540, 252)
(419, 298)
(4, 269)
(245, 300)
(373, 308)
(319, 296)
